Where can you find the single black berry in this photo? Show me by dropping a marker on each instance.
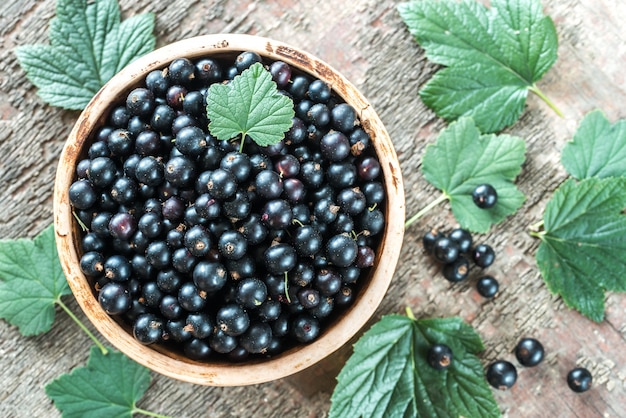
(501, 374)
(485, 196)
(457, 270)
(483, 255)
(579, 379)
(439, 356)
(445, 250)
(487, 286)
(462, 237)
(529, 352)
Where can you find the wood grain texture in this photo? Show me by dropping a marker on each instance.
(368, 43)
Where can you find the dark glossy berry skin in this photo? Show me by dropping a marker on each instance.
(483, 255)
(319, 91)
(257, 338)
(429, 239)
(281, 73)
(251, 293)
(445, 250)
(246, 59)
(117, 268)
(457, 271)
(280, 258)
(277, 214)
(501, 374)
(209, 276)
(232, 245)
(102, 172)
(181, 71)
(140, 102)
(191, 298)
(82, 195)
(122, 226)
(148, 329)
(529, 352)
(232, 319)
(115, 298)
(190, 140)
(197, 349)
(343, 117)
(305, 328)
(485, 196)
(487, 286)
(463, 238)
(439, 356)
(335, 146)
(222, 184)
(579, 379)
(341, 250)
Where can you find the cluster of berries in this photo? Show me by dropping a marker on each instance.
(455, 250)
(502, 374)
(220, 252)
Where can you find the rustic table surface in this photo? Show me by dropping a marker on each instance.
(369, 44)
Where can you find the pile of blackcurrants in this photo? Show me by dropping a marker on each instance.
(222, 253)
(455, 250)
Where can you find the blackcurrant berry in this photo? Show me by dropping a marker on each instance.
(439, 356)
(232, 319)
(457, 270)
(341, 250)
(462, 237)
(529, 352)
(579, 379)
(115, 298)
(445, 250)
(485, 196)
(501, 374)
(483, 255)
(148, 328)
(487, 286)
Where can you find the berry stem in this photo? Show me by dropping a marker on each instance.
(425, 210)
(82, 326)
(287, 288)
(147, 413)
(81, 223)
(543, 97)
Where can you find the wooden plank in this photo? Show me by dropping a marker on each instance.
(368, 43)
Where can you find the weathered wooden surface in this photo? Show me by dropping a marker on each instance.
(368, 43)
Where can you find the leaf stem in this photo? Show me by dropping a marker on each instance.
(82, 326)
(409, 313)
(148, 413)
(425, 210)
(543, 97)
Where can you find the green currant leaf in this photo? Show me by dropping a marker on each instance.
(31, 282)
(108, 387)
(462, 158)
(493, 57)
(582, 248)
(388, 374)
(250, 105)
(598, 148)
(88, 46)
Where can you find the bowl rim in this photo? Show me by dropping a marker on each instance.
(298, 358)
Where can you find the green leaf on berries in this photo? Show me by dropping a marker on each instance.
(462, 158)
(582, 248)
(598, 148)
(493, 57)
(250, 105)
(388, 374)
(108, 387)
(31, 282)
(88, 46)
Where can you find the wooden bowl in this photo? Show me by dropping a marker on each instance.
(160, 358)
